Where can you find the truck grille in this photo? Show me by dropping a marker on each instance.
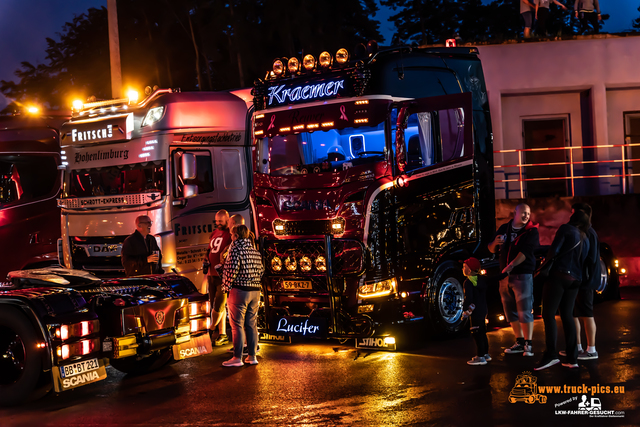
(295, 255)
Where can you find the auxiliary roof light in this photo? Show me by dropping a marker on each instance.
(293, 65)
(325, 59)
(77, 105)
(342, 56)
(278, 67)
(309, 62)
(133, 96)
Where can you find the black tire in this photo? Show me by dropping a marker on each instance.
(444, 301)
(140, 365)
(20, 359)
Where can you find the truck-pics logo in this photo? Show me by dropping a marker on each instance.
(526, 390)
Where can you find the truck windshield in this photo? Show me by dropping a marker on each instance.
(122, 179)
(321, 151)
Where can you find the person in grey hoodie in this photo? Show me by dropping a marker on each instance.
(585, 10)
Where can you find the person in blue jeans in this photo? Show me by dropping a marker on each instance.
(517, 241)
(241, 276)
(569, 250)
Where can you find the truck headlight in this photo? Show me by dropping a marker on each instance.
(153, 116)
(377, 289)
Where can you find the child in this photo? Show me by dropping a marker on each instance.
(475, 303)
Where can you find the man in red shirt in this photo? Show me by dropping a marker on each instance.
(219, 240)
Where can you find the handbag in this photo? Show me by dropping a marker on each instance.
(545, 268)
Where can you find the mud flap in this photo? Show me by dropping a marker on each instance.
(377, 343)
(197, 346)
(78, 374)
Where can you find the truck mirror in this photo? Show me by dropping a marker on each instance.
(188, 163)
(190, 191)
(401, 154)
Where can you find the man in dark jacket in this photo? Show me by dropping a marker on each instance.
(140, 252)
(517, 240)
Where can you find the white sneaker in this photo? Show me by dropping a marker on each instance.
(233, 362)
(477, 360)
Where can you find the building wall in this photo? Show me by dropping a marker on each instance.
(592, 82)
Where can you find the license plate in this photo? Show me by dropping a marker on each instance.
(197, 346)
(296, 284)
(79, 368)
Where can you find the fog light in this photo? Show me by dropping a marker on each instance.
(404, 294)
(321, 264)
(368, 308)
(305, 263)
(290, 263)
(276, 264)
(501, 317)
(623, 271)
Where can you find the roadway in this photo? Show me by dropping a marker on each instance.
(326, 383)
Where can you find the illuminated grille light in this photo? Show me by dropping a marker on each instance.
(362, 102)
(258, 132)
(327, 124)
(321, 264)
(305, 264)
(276, 264)
(361, 121)
(259, 116)
(290, 263)
(313, 126)
(286, 129)
(298, 127)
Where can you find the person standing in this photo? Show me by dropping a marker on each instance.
(585, 10)
(542, 13)
(241, 277)
(140, 252)
(583, 311)
(517, 241)
(475, 303)
(219, 240)
(567, 253)
(526, 11)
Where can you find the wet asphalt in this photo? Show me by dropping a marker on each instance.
(328, 383)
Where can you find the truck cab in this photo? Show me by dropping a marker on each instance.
(373, 179)
(176, 157)
(29, 186)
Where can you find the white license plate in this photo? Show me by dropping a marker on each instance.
(296, 284)
(79, 368)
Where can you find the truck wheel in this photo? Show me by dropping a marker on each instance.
(135, 366)
(445, 301)
(20, 359)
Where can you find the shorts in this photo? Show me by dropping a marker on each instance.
(528, 19)
(217, 297)
(584, 303)
(516, 291)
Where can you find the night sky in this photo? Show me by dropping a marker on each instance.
(24, 24)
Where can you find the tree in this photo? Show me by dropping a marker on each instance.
(190, 44)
